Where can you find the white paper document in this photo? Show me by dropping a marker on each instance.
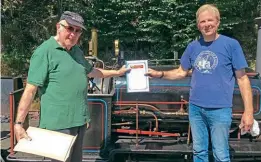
(136, 80)
(47, 143)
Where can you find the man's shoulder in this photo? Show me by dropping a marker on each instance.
(194, 43)
(228, 39)
(43, 48)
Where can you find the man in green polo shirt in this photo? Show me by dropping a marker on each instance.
(58, 68)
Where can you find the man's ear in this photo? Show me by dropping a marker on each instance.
(198, 26)
(218, 23)
(58, 27)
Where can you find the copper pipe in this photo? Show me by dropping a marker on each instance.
(141, 112)
(124, 123)
(124, 112)
(151, 102)
(146, 132)
(252, 74)
(188, 140)
(11, 106)
(236, 114)
(153, 108)
(238, 134)
(186, 102)
(150, 128)
(182, 106)
(137, 123)
(146, 104)
(155, 117)
(156, 121)
(164, 113)
(132, 104)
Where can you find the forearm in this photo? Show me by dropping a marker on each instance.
(246, 93)
(109, 73)
(102, 73)
(174, 74)
(25, 102)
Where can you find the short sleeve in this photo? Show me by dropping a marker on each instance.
(238, 58)
(185, 58)
(88, 66)
(79, 57)
(38, 69)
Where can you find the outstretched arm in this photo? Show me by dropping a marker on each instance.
(102, 73)
(170, 75)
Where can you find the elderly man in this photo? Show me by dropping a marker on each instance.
(58, 68)
(216, 61)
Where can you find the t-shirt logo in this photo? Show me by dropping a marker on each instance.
(206, 62)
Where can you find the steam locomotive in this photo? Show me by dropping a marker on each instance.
(152, 126)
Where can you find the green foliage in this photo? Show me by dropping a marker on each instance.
(25, 24)
(237, 20)
(148, 29)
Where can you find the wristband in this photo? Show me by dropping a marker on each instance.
(19, 123)
(162, 74)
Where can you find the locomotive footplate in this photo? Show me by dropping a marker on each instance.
(238, 149)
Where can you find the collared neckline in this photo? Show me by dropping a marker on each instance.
(56, 45)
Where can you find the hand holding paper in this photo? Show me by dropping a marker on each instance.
(20, 133)
(123, 70)
(46, 143)
(254, 131)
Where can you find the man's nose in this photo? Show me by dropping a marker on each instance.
(73, 33)
(207, 23)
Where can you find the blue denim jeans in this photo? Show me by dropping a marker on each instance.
(215, 122)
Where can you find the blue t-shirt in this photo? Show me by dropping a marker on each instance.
(213, 64)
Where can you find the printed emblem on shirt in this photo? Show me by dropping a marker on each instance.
(206, 62)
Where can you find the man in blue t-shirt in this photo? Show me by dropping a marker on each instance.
(216, 61)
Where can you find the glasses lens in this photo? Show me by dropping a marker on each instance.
(78, 30)
(72, 29)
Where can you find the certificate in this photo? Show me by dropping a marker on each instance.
(54, 145)
(136, 79)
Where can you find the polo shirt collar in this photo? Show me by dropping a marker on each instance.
(56, 45)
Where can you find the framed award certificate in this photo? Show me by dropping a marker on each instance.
(136, 79)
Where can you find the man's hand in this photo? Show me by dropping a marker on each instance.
(123, 70)
(247, 121)
(87, 125)
(154, 74)
(20, 132)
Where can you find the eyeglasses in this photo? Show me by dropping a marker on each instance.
(72, 29)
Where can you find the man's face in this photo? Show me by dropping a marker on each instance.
(207, 23)
(68, 34)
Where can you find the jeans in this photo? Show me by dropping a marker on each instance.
(217, 122)
(76, 154)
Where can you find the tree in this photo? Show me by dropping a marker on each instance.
(148, 29)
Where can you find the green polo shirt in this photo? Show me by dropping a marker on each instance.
(62, 80)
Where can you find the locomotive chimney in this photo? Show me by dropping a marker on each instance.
(258, 52)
